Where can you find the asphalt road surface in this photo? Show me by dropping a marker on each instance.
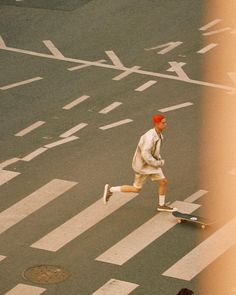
(80, 81)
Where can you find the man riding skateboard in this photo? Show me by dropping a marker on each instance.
(147, 163)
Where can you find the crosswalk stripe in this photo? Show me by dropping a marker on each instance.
(194, 197)
(75, 102)
(33, 202)
(144, 235)
(34, 154)
(175, 107)
(110, 107)
(5, 176)
(61, 141)
(22, 289)
(81, 222)
(112, 125)
(73, 130)
(146, 85)
(20, 83)
(200, 257)
(9, 162)
(116, 287)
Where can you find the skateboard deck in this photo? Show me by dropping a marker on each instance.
(202, 221)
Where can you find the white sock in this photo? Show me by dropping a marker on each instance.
(115, 189)
(162, 200)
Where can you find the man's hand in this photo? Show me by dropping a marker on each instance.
(160, 163)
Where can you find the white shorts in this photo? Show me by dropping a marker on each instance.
(140, 179)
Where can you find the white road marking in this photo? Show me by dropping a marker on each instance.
(75, 102)
(34, 154)
(140, 238)
(2, 257)
(81, 222)
(110, 107)
(114, 58)
(73, 130)
(9, 162)
(177, 67)
(53, 48)
(175, 107)
(121, 68)
(22, 289)
(33, 202)
(6, 176)
(196, 196)
(83, 66)
(207, 48)
(209, 25)
(125, 74)
(21, 83)
(61, 141)
(2, 43)
(122, 122)
(146, 85)
(169, 46)
(30, 128)
(216, 32)
(200, 257)
(116, 287)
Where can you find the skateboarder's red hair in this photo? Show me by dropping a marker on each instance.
(157, 118)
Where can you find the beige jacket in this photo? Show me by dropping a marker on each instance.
(147, 156)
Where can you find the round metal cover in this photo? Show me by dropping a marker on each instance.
(45, 274)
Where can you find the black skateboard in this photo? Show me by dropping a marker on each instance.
(185, 217)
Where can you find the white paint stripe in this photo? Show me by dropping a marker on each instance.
(83, 66)
(167, 47)
(75, 102)
(207, 48)
(146, 85)
(6, 176)
(2, 43)
(141, 72)
(8, 162)
(22, 289)
(175, 107)
(196, 196)
(34, 154)
(52, 48)
(204, 254)
(110, 107)
(125, 121)
(30, 128)
(216, 32)
(144, 235)
(81, 222)
(125, 74)
(114, 58)
(2, 257)
(33, 202)
(21, 83)
(209, 25)
(116, 287)
(59, 142)
(177, 68)
(73, 130)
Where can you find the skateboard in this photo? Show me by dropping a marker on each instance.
(185, 217)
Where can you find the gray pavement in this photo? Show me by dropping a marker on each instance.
(82, 33)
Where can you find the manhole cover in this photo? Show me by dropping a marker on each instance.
(45, 274)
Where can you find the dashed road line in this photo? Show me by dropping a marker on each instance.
(140, 238)
(116, 124)
(146, 85)
(6, 176)
(9, 162)
(33, 202)
(207, 48)
(21, 83)
(116, 287)
(83, 66)
(114, 58)
(110, 108)
(2, 257)
(176, 107)
(125, 73)
(75, 102)
(53, 48)
(22, 289)
(73, 130)
(34, 154)
(211, 24)
(81, 222)
(60, 142)
(199, 258)
(30, 128)
(217, 31)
